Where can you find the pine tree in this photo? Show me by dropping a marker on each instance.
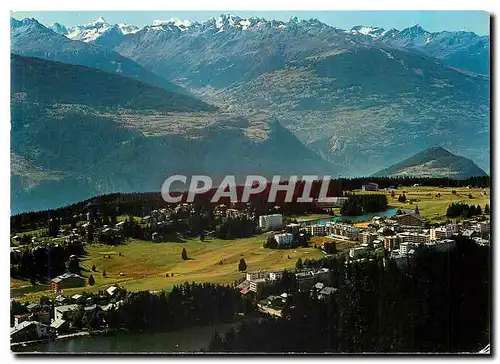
(242, 265)
(487, 209)
(90, 233)
(299, 265)
(91, 280)
(104, 272)
(417, 210)
(184, 254)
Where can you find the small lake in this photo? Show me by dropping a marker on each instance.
(358, 218)
(186, 340)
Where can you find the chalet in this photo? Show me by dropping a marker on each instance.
(60, 299)
(60, 326)
(66, 311)
(369, 186)
(120, 225)
(67, 280)
(29, 330)
(470, 233)
(257, 284)
(33, 307)
(77, 298)
(114, 290)
(331, 203)
(326, 292)
(319, 286)
(410, 220)
(244, 287)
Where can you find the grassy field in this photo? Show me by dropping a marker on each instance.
(342, 246)
(144, 264)
(434, 208)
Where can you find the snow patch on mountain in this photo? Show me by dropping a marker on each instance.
(128, 29)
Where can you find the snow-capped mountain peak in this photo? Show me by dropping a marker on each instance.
(91, 31)
(173, 22)
(371, 31)
(97, 21)
(127, 29)
(415, 30)
(59, 28)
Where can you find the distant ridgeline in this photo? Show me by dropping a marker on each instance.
(138, 204)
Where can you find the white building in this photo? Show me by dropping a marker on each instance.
(367, 237)
(443, 232)
(358, 252)
(481, 241)
(267, 222)
(293, 228)
(31, 329)
(407, 248)
(274, 276)
(61, 311)
(370, 186)
(344, 231)
(404, 248)
(256, 284)
(413, 237)
(483, 227)
(284, 239)
(391, 242)
(315, 230)
(252, 276)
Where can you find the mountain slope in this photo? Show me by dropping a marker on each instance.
(434, 162)
(464, 50)
(360, 113)
(69, 143)
(32, 39)
(49, 82)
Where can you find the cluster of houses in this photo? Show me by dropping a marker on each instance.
(404, 242)
(273, 304)
(222, 211)
(51, 320)
(315, 280)
(306, 278)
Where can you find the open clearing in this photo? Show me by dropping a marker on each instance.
(434, 208)
(144, 264)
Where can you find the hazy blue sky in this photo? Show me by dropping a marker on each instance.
(476, 21)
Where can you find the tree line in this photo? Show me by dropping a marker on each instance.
(185, 305)
(460, 209)
(364, 203)
(42, 262)
(138, 204)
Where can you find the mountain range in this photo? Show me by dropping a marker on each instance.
(96, 139)
(434, 162)
(32, 39)
(460, 49)
(349, 102)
